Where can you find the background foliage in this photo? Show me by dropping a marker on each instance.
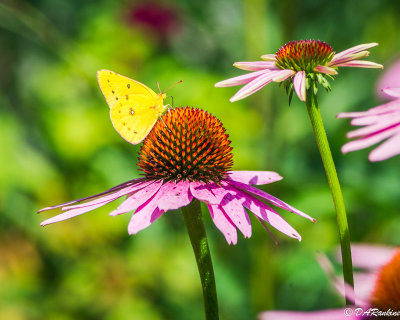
(57, 144)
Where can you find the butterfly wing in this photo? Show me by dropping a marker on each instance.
(116, 87)
(135, 108)
(134, 121)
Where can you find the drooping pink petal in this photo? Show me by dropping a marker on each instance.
(136, 199)
(369, 141)
(362, 253)
(326, 70)
(332, 314)
(111, 197)
(254, 177)
(360, 64)
(237, 213)
(299, 82)
(275, 201)
(145, 215)
(245, 78)
(343, 288)
(255, 65)
(73, 213)
(268, 57)
(174, 195)
(353, 50)
(227, 198)
(118, 187)
(269, 215)
(223, 223)
(392, 92)
(254, 85)
(259, 208)
(388, 149)
(202, 191)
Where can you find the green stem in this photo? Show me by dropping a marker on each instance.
(197, 234)
(331, 174)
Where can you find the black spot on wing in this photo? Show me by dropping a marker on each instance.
(128, 85)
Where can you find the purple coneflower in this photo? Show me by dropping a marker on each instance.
(377, 289)
(299, 65)
(188, 155)
(378, 124)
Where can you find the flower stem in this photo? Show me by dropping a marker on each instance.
(197, 234)
(333, 181)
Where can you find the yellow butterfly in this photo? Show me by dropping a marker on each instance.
(134, 107)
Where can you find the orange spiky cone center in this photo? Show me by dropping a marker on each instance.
(186, 144)
(386, 293)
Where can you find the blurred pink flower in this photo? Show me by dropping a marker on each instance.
(376, 289)
(188, 155)
(161, 20)
(378, 124)
(299, 64)
(389, 79)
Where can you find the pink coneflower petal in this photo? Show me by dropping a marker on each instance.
(355, 56)
(145, 215)
(114, 189)
(135, 200)
(202, 191)
(326, 70)
(275, 201)
(174, 195)
(254, 85)
(234, 209)
(376, 127)
(392, 92)
(73, 213)
(369, 141)
(254, 177)
(255, 65)
(333, 314)
(246, 78)
(388, 149)
(268, 57)
(362, 253)
(364, 284)
(360, 64)
(353, 50)
(283, 75)
(223, 223)
(111, 197)
(266, 213)
(299, 82)
(237, 213)
(343, 288)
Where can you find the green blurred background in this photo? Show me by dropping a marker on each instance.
(57, 144)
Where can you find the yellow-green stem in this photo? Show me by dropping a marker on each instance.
(198, 238)
(333, 181)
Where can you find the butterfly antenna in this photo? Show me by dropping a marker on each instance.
(172, 86)
(158, 85)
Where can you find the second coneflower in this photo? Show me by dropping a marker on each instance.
(299, 65)
(187, 157)
(302, 66)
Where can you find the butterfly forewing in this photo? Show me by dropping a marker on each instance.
(135, 108)
(116, 87)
